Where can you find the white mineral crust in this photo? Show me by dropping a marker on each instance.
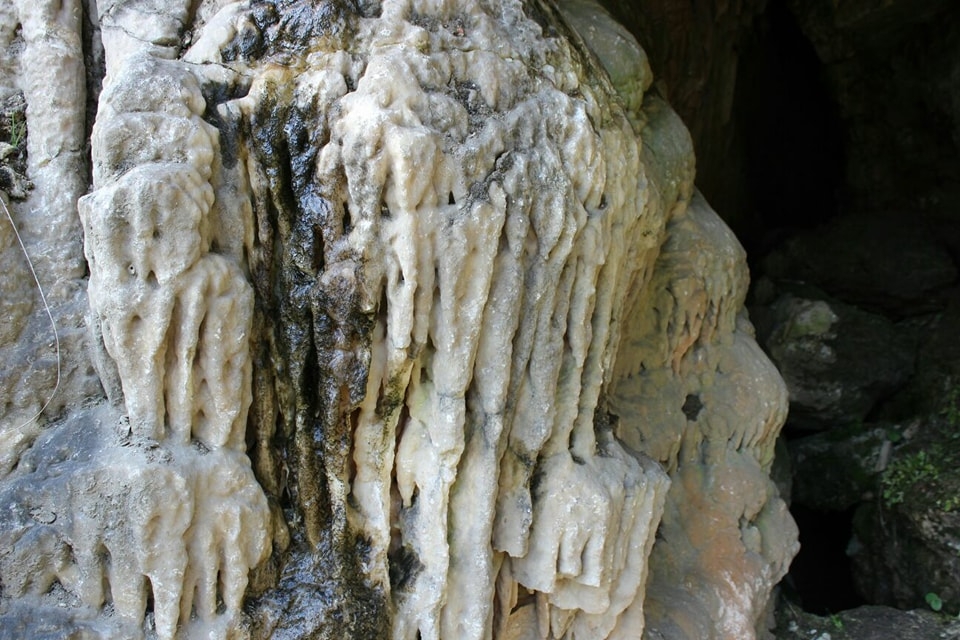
(559, 319)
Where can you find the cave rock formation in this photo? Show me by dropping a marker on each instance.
(408, 322)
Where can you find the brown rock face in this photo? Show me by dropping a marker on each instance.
(696, 50)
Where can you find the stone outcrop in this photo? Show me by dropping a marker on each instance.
(694, 367)
(871, 260)
(867, 623)
(836, 470)
(409, 323)
(838, 361)
(43, 120)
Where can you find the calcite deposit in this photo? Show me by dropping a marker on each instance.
(409, 324)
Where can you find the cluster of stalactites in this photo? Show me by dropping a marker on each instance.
(173, 308)
(484, 199)
(528, 351)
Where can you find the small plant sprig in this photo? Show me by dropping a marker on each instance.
(17, 128)
(902, 474)
(934, 601)
(836, 621)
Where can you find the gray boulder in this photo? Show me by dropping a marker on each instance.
(836, 469)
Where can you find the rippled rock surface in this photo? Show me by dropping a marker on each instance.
(409, 324)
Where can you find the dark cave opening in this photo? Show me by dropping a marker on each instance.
(821, 577)
(790, 131)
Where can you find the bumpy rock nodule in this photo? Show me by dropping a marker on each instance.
(413, 327)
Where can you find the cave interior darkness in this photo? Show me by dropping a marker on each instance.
(790, 134)
(799, 154)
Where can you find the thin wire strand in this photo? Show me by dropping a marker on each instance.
(46, 307)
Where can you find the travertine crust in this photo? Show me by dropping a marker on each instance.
(447, 284)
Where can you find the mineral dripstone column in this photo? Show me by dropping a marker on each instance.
(420, 331)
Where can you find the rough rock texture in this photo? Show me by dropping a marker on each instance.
(866, 623)
(838, 469)
(901, 555)
(696, 365)
(838, 361)
(843, 108)
(43, 119)
(937, 363)
(106, 523)
(907, 541)
(410, 325)
(155, 515)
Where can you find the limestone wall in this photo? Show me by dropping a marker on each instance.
(409, 324)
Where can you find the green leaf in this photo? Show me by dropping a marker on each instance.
(934, 601)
